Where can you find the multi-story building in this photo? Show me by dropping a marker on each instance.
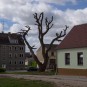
(12, 51)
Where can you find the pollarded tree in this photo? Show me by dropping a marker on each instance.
(39, 23)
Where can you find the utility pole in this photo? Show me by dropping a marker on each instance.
(3, 25)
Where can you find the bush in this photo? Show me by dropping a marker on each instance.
(2, 70)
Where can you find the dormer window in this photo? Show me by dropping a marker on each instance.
(16, 41)
(13, 41)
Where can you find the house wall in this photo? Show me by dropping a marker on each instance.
(67, 69)
(40, 57)
(26, 62)
(50, 55)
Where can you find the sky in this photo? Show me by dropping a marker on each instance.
(15, 14)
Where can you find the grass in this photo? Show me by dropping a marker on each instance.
(12, 82)
(32, 73)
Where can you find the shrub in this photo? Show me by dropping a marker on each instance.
(2, 70)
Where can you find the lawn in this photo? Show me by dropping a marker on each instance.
(12, 82)
(31, 73)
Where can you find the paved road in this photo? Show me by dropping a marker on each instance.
(61, 81)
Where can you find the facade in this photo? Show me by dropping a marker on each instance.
(12, 51)
(72, 52)
(52, 56)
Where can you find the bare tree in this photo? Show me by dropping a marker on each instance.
(39, 23)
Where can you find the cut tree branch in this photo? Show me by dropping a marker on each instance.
(57, 38)
(31, 50)
(48, 24)
(39, 22)
(24, 33)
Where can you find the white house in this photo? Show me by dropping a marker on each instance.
(72, 52)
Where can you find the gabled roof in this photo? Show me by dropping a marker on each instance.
(76, 38)
(4, 39)
(52, 48)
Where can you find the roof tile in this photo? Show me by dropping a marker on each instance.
(76, 38)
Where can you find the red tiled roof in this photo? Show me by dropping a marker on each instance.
(77, 38)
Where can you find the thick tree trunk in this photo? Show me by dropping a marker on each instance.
(43, 66)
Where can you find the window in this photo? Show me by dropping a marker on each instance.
(21, 62)
(10, 55)
(13, 40)
(21, 55)
(15, 48)
(16, 41)
(10, 62)
(22, 48)
(67, 58)
(80, 58)
(15, 62)
(10, 48)
(52, 63)
(52, 53)
(3, 65)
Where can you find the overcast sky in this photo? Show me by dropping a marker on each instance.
(18, 13)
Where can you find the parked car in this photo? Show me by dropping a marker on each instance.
(32, 69)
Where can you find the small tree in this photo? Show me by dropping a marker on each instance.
(39, 23)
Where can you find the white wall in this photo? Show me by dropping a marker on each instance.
(73, 58)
